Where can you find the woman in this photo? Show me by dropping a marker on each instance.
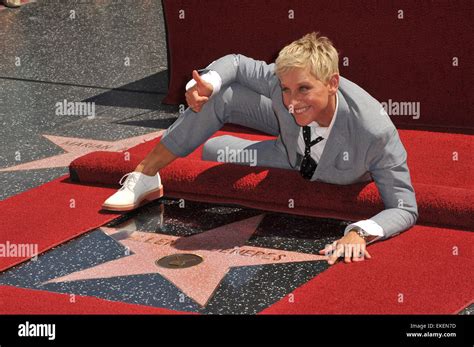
(327, 127)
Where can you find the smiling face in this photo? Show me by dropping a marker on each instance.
(307, 98)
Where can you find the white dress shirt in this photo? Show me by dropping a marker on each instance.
(368, 225)
(316, 131)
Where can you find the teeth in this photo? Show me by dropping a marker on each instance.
(300, 110)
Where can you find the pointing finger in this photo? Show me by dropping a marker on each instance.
(328, 249)
(339, 252)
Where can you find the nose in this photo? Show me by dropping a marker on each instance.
(291, 99)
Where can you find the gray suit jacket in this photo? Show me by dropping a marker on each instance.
(363, 143)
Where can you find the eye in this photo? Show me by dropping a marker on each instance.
(284, 90)
(304, 88)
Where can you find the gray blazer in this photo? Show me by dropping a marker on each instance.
(363, 144)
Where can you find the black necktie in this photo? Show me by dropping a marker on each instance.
(308, 165)
(307, 140)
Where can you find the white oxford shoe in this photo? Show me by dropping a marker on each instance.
(137, 189)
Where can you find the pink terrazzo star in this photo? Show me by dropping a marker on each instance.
(221, 249)
(77, 147)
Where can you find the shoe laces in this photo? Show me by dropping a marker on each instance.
(130, 182)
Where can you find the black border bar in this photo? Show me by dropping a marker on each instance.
(240, 329)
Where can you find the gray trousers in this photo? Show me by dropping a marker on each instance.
(235, 104)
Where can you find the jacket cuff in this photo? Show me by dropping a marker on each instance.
(369, 226)
(211, 77)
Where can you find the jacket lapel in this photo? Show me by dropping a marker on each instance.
(337, 137)
(288, 128)
(292, 134)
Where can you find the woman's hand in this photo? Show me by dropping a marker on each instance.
(351, 247)
(198, 95)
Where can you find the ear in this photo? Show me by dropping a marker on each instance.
(333, 83)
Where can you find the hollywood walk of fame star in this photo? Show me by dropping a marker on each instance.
(221, 249)
(77, 147)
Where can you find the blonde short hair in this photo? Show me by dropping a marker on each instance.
(313, 51)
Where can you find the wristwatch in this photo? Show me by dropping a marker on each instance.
(362, 233)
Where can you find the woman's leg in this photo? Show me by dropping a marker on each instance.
(232, 149)
(157, 159)
(235, 104)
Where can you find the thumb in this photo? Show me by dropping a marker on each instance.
(197, 77)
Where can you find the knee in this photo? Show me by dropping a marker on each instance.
(213, 147)
(231, 97)
(223, 101)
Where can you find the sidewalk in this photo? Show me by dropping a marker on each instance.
(109, 54)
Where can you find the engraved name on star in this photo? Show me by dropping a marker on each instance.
(221, 248)
(77, 147)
